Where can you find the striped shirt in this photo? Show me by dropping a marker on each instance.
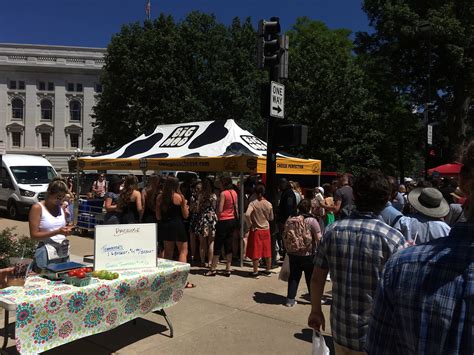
(355, 250)
(425, 300)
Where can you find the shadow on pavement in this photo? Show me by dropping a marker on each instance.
(307, 335)
(113, 340)
(269, 298)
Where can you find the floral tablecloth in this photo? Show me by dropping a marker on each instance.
(50, 314)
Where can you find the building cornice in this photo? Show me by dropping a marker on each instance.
(52, 57)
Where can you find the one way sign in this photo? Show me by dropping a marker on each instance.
(277, 100)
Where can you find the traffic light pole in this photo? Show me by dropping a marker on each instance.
(271, 188)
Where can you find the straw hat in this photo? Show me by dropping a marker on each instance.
(458, 194)
(429, 201)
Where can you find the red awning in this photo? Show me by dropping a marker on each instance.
(447, 169)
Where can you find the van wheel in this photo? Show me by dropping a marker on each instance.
(12, 210)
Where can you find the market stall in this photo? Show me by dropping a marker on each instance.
(51, 313)
(61, 304)
(207, 146)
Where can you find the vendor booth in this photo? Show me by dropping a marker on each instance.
(207, 146)
(68, 301)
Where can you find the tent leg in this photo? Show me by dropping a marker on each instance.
(241, 214)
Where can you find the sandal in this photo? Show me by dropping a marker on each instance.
(211, 273)
(227, 273)
(190, 285)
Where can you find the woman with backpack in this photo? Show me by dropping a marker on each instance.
(300, 237)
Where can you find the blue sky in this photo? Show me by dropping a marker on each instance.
(91, 23)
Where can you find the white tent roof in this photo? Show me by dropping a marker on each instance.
(192, 139)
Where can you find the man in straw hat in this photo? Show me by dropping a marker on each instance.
(428, 221)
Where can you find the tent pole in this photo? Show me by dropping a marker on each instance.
(75, 210)
(241, 215)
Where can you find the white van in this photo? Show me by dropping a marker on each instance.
(23, 182)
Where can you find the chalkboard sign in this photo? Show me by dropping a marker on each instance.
(125, 246)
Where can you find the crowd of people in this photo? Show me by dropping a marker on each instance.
(401, 266)
(399, 255)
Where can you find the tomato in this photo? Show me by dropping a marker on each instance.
(71, 273)
(89, 269)
(81, 274)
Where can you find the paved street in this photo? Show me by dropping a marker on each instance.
(221, 315)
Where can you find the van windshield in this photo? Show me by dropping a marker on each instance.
(33, 174)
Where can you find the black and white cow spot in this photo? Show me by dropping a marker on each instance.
(158, 155)
(213, 133)
(141, 146)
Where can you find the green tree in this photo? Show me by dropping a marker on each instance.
(326, 90)
(165, 72)
(426, 49)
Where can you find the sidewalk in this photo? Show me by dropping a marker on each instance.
(232, 315)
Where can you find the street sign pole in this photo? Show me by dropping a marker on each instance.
(271, 142)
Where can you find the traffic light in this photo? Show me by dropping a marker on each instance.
(268, 45)
(291, 135)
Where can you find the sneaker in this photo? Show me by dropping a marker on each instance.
(290, 302)
(266, 272)
(253, 275)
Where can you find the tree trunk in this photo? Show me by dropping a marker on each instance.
(457, 118)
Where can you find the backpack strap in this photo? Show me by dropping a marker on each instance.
(395, 220)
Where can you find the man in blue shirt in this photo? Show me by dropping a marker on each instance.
(425, 299)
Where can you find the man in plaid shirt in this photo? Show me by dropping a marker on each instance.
(425, 300)
(354, 251)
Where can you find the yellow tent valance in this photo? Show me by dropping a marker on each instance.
(237, 164)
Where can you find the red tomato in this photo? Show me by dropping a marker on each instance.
(71, 273)
(89, 269)
(81, 274)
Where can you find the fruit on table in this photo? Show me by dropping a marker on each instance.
(105, 275)
(81, 274)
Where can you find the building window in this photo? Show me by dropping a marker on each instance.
(74, 140)
(46, 110)
(42, 86)
(70, 86)
(17, 108)
(12, 85)
(21, 85)
(50, 86)
(45, 140)
(75, 110)
(98, 88)
(16, 139)
(79, 87)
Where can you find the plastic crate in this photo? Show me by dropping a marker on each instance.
(75, 281)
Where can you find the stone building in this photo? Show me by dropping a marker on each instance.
(46, 98)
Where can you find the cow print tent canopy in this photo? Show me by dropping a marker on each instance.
(173, 146)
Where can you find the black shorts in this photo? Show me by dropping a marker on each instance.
(224, 233)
